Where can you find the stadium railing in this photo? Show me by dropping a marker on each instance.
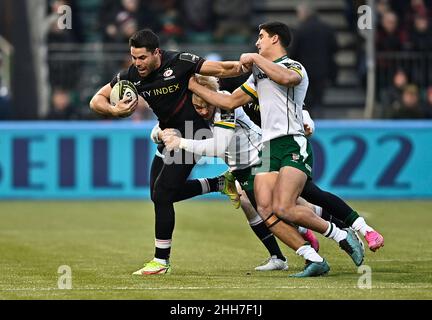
(6, 51)
(417, 66)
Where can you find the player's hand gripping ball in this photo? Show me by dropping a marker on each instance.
(124, 91)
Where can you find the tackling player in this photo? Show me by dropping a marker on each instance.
(237, 140)
(279, 84)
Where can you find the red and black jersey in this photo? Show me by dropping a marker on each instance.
(166, 89)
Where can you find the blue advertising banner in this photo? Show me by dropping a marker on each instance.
(111, 160)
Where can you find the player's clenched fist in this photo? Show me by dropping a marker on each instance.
(246, 62)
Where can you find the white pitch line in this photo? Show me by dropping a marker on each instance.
(215, 288)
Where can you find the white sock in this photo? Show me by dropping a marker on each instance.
(163, 244)
(361, 226)
(302, 230)
(163, 261)
(335, 233)
(318, 211)
(205, 186)
(309, 253)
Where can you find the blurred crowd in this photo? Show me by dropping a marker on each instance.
(181, 21)
(403, 43)
(405, 26)
(175, 21)
(404, 90)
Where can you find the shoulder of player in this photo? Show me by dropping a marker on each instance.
(170, 55)
(188, 57)
(168, 58)
(287, 62)
(293, 65)
(177, 57)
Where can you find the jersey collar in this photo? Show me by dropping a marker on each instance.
(280, 59)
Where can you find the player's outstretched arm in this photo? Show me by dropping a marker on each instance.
(211, 147)
(220, 100)
(277, 73)
(221, 69)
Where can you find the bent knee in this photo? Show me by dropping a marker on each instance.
(285, 212)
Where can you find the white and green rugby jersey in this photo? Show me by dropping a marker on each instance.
(243, 150)
(280, 107)
(236, 139)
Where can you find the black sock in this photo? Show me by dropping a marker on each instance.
(268, 239)
(328, 217)
(214, 184)
(165, 220)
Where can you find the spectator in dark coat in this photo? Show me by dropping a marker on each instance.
(421, 35)
(410, 107)
(62, 107)
(314, 45)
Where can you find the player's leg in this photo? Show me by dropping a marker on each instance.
(277, 261)
(263, 194)
(165, 181)
(331, 203)
(197, 187)
(225, 183)
(307, 234)
(321, 212)
(296, 162)
(290, 182)
(288, 186)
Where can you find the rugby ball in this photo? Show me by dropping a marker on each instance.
(121, 89)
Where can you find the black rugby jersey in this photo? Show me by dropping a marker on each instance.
(166, 89)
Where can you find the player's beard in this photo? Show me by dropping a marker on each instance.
(151, 66)
(144, 72)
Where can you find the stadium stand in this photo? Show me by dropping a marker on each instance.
(87, 53)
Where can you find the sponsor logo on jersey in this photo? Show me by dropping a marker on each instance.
(162, 91)
(261, 76)
(137, 83)
(168, 74)
(295, 157)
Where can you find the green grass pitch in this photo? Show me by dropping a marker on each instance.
(214, 253)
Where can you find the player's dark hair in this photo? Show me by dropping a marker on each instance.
(145, 38)
(278, 28)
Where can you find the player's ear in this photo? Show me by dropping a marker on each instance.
(156, 51)
(274, 39)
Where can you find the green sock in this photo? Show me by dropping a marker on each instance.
(351, 218)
